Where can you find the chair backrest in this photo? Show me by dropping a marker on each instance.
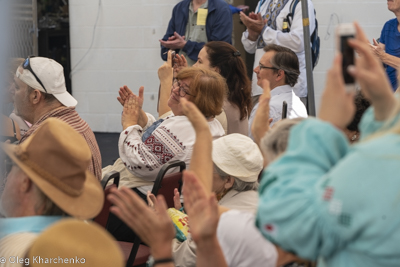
(102, 217)
(165, 184)
(135, 254)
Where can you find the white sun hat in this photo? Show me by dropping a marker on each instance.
(238, 156)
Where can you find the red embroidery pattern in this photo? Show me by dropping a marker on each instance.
(161, 147)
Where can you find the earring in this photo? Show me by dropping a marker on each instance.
(354, 137)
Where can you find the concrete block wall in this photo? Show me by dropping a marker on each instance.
(126, 51)
(371, 14)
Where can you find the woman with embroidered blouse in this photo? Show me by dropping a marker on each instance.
(145, 144)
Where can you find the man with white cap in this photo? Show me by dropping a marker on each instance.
(40, 93)
(47, 179)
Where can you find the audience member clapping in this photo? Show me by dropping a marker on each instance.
(225, 59)
(145, 144)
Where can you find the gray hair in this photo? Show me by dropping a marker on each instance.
(275, 141)
(49, 207)
(238, 184)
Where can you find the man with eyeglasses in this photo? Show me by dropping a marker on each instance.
(280, 67)
(273, 22)
(40, 93)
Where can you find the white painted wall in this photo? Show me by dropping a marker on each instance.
(126, 50)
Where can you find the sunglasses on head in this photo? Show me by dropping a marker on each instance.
(27, 66)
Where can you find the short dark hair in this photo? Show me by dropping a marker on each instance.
(286, 60)
(208, 88)
(231, 66)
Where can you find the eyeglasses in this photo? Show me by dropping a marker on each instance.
(27, 66)
(182, 91)
(261, 66)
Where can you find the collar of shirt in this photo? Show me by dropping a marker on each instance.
(34, 224)
(283, 89)
(205, 6)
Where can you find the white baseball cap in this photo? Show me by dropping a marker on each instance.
(238, 156)
(47, 76)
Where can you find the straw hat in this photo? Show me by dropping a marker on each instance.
(74, 242)
(238, 156)
(56, 157)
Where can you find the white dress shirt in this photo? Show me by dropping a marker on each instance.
(295, 108)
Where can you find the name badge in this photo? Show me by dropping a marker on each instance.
(202, 16)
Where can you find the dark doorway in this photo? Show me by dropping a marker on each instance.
(53, 23)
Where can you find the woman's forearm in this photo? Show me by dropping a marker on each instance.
(390, 60)
(209, 253)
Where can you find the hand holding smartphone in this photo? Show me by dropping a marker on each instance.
(344, 32)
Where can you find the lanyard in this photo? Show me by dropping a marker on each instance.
(261, 3)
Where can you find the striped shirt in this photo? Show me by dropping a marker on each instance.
(70, 116)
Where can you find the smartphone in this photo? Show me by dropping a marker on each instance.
(173, 53)
(344, 32)
(284, 110)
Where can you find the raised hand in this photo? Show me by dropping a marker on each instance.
(337, 105)
(124, 92)
(372, 77)
(254, 23)
(180, 63)
(165, 72)
(177, 199)
(201, 208)
(201, 162)
(261, 120)
(131, 112)
(154, 228)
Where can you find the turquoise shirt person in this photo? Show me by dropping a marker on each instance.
(328, 201)
(32, 224)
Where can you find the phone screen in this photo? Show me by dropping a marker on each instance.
(348, 58)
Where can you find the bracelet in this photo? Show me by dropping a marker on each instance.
(166, 260)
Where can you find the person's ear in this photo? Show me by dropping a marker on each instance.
(280, 75)
(217, 70)
(229, 182)
(36, 96)
(26, 183)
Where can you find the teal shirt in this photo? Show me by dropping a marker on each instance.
(328, 201)
(33, 224)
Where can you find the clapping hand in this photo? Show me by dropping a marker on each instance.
(174, 42)
(180, 63)
(131, 112)
(202, 208)
(155, 228)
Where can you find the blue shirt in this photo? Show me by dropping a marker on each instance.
(390, 37)
(33, 224)
(327, 200)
